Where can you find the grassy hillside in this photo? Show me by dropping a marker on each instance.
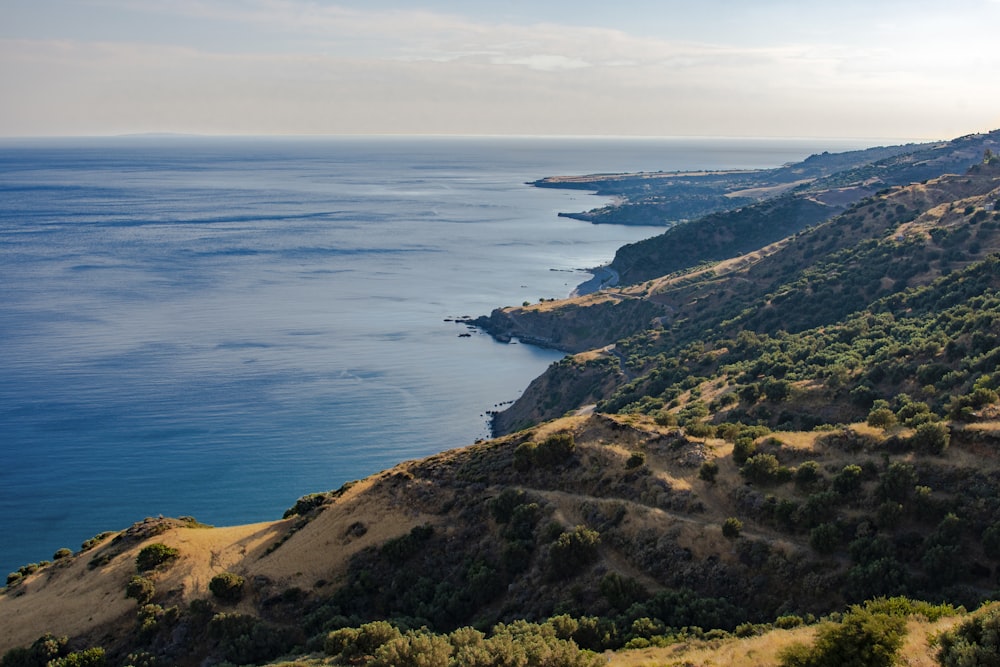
(737, 452)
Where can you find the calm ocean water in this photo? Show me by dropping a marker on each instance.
(215, 327)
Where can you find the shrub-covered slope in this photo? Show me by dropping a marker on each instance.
(902, 238)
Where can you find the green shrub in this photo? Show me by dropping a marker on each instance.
(42, 651)
(140, 589)
(227, 586)
(91, 657)
(550, 452)
(573, 550)
(807, 474)
(825, 538)
(765, 469)
(699, 430)
(931, 438)
(62, 553)
(975, 641)
(414, 649)
(848, 480)
(709, 471)
(635, 460)
(355, 644)
(861, 639)
(555, 449)
(732, 527)
(882, 418)
(244, 640)
(788, 622)
(306, 504)
(524, 456)
(743, 449)
(503, 505)
(154, 555)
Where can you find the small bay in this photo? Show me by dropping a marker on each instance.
(215, 327)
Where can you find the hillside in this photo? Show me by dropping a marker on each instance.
(735, 450)
(667, 198)
(597, 516)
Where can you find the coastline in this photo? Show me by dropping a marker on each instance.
(603, 276)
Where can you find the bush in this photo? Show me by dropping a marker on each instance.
(414, 649)
(861, 639)
(973, 642)
(247, 640)
(91, 657)
(306, 504)
(743, 449)
(882, 418)
(807, 474)
(354, 644)
(573, 550)
(765, 469)
(503, 505)
(635, 460)
(699, 430)
(42, 651)
(62, 553)
(550, 452)
(732, 527)
(931, 438)
(227, 586)
(154, 555)
(825, 538)
(140, 589)
(708, 472)
(848, 480)
(555, 449)
(788, 622)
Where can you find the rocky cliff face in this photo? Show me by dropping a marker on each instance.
(573, 325)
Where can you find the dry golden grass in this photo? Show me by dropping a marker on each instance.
(69, 598)
(765, 650)
(750, 652)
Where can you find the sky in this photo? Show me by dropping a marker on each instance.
(770, 68)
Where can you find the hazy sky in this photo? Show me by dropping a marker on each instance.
(848, 68)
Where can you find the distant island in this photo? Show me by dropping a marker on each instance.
(774, 440)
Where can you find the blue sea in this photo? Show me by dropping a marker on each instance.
(215, 327)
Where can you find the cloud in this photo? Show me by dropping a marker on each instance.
(544, 63)
(278, 66)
